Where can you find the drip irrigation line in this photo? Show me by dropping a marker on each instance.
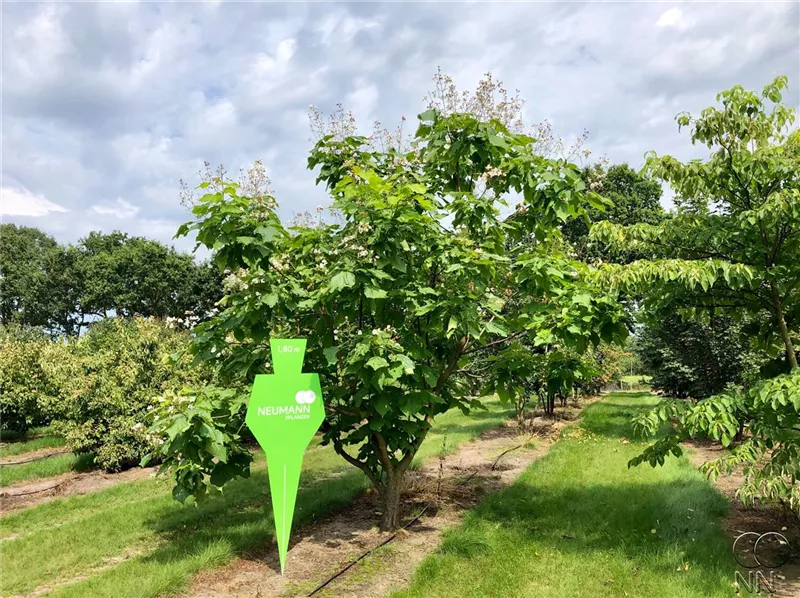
(53, 487)
(364, 555)
(369, 552)
(35, 459)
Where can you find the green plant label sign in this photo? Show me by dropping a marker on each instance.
(285, 412)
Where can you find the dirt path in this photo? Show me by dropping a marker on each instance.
(758, 518)
(28, 494)
(320, 549)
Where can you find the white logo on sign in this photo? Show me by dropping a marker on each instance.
(305, 397)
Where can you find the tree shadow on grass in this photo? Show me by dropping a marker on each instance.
(598, 519)
(242, 518)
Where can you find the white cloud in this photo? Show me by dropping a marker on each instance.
(362, 101)
(120, 100)
(674, 17)
(117, 209)
(21, 202)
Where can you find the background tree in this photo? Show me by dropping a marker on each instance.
(24, 255)
(634, 198)
(64, 288)
(132, 275)
(696, 359)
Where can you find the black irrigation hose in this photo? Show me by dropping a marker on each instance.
(35, 459)
(369, 552)
(53, 487)
(364, 555)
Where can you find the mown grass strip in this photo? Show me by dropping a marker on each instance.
(54, 543)
(578, 523)
(34, 444)
(45, 468)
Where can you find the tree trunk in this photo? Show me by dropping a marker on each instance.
(391, 501)
(787, 339)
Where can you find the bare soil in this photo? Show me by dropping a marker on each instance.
(28, 494)
(449, 486)
(760, 518)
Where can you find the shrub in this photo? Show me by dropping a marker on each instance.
(108, 382)
(26, 392)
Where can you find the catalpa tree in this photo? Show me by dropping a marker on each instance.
(419, 273)
(733, 249)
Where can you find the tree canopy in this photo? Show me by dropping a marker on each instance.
(421, 273)
(733, 245)
(62, 288)
(732, 250)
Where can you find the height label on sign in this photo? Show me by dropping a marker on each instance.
(285, 412)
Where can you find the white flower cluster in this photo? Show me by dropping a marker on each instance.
(279, 263)
(262, 207)
(234, 281)
(188, 321)
(391, 330)
(493, 172)
(349, 242)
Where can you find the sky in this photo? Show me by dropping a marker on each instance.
(105, 106)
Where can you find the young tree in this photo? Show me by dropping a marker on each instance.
(733, 249)
(393, 300)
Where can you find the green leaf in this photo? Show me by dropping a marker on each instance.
(223, 473)
(381, 405)
(496, 328)
(427, 116)
(271, 299)
(452, 324)
(375, 293)
(342, 280)
(181, 493)
(330, 354)
(377, 362)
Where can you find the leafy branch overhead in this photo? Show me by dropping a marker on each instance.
(735, 241)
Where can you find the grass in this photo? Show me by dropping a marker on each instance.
(578, 523)
(45, 468)
(32, 433)
(134, 540)
(34, 444)
(452, 429)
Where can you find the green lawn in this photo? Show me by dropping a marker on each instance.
(579, 524)
(134, 540)
(34, 444)
(44, 468)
